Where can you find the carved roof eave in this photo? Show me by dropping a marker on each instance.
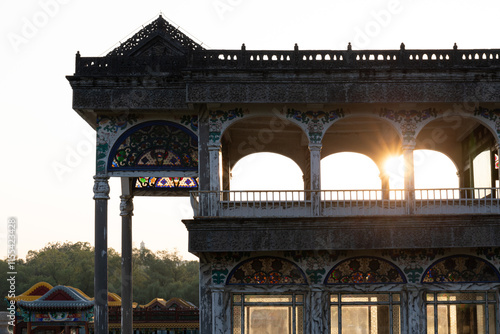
(78, 300)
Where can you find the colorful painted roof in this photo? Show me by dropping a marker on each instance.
(59, 297)
(33, 293)
(171, 303)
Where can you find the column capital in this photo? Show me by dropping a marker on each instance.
(101, 187)
(408, 146)
(214, 146)
(315, 147)
(126, 205)
(497, 146)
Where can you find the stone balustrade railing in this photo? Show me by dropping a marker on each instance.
(288, 60)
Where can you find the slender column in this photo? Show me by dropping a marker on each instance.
(384, 178)
(315, 150)
(214, 157)
(126, 212)
(101, 197)
(409, 177)
(497, 192)
(218, 310)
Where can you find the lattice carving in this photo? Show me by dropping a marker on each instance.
(365, 270)
(156, 146)
(267, 270)
(461, 269)
(159, 27)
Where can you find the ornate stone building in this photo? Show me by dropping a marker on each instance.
(173, 118)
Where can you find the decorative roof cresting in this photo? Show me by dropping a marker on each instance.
(158, 28)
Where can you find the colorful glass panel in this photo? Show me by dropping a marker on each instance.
(461, 268)
(166, 183)
(267, 270)
(365, 270)
(496, 161)
(156, 146)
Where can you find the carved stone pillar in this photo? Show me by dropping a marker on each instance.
(126, 212)
(414, 317)
(409, 177)
(384, 178)
(319, 310)
(315, 150)
(101, 197)
(215, 179)
(218, 310)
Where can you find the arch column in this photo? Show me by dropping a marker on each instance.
(126, 212)
(101, 197)
(409, 177)
(218, 310)
(315, 153)
(497, 192)
(214, 154)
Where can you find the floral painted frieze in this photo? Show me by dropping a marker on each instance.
(222, 262)
(492, 115)
(315, 121)
(413, 261)
(408, 120)
(315, 262)
(107, 128)
(216, 120)
(190, 121)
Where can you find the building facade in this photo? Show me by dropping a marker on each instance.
(173, 119)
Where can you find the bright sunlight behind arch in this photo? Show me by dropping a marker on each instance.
(348, 170)
(266, 171)
(433, 170)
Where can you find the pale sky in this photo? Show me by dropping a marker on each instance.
(40, 130)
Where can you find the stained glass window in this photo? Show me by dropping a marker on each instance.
(365, 270)
(155, 146)
(267, 270)
(166, 183)
(461, 268)
(496, 161)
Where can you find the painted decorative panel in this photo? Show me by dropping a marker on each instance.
(267, 270)
(365, 270)
(461, 269)
(155, 146)
(166, 183)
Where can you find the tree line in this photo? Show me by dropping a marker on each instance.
(162, 274)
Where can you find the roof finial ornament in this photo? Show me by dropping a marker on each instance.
(349, 47)
(402, 46)
(455, 47)
(243, 47)
(296, 47)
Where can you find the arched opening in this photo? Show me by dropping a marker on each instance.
(470, 144)
(271, 137)
(433, 170)
(266, 171)
(349, 171)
